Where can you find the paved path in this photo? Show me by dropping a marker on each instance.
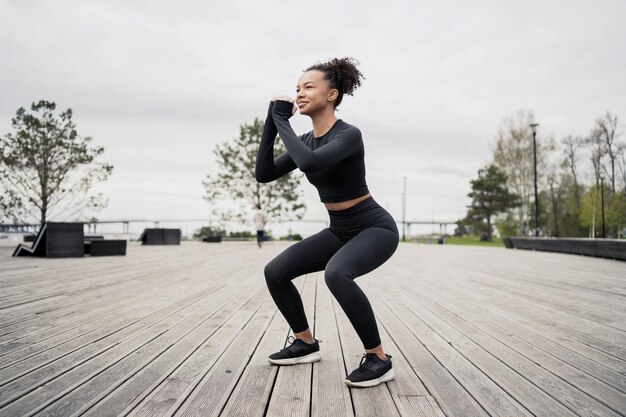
(186, 330)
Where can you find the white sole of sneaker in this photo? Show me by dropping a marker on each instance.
(372, 382)
(310, 358)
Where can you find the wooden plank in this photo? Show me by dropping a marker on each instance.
(57, 273)
(595, 334)
(130, 318)
(612, 397)
(373, 401)
(49, 300)
(594, 307)
(550, 266)
(419, 406)
(601, 392)
(291, 395)
(502, 316)
(48, 333)
(56, 277)
(330, 396)
(64, 373)
(602, 337)
(463, 344)
(520, 377)
(154, 278)
(583, 356)
(407, 390)
(213, 393)
(439, 381)
(109, 301)
(129, 277)
(489, 394)
(250, 394)
(542, 321)
(158, 386)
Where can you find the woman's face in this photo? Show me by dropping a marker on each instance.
(313, 92)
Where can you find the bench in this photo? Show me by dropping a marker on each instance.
(67, 240)
(56, 240)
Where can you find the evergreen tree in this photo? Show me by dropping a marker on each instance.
(490, 196)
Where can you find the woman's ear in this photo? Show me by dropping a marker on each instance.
(333, 94)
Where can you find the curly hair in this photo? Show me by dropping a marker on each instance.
(342, 74)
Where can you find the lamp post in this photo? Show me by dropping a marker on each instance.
(404, 210)
(602, 199)
(533, 126)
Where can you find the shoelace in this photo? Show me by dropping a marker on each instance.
(367, 362)
(292, 339)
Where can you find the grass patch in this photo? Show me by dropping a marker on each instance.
(473, 240)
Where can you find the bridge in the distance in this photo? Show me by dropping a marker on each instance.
(125, 223)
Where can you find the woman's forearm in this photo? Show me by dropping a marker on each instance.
(267, 168)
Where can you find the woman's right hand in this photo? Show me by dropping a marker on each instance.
(288, 99)
(284, 98)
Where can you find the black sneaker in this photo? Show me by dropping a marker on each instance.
(298, 352)
(371, 371)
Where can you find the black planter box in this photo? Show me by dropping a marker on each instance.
(111, 247)
(602, 248)
(160, 237)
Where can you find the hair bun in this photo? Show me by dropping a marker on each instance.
(342, 74)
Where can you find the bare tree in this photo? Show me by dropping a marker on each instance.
(571, 151)
(596, 148)
(621, 163)
(604, 134)
(513, 154)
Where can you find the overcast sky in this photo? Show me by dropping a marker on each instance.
(159, 84)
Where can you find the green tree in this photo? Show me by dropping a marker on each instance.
(568, 215)
(616, 215)
(506, 224)
(233, 191)
(46, 168)
(209, 231)
(490, 196)
(573, 189)
(614, 212)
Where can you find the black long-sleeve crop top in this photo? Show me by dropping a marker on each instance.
(334, 162)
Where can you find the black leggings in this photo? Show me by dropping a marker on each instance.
(359, 240)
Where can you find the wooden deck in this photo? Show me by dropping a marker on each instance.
(186, 330)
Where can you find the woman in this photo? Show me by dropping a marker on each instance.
(362, 235)
(259, 222)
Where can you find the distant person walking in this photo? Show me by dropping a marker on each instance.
(362, 235)
(260, 219)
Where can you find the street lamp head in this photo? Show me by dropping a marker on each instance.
(533, 126)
